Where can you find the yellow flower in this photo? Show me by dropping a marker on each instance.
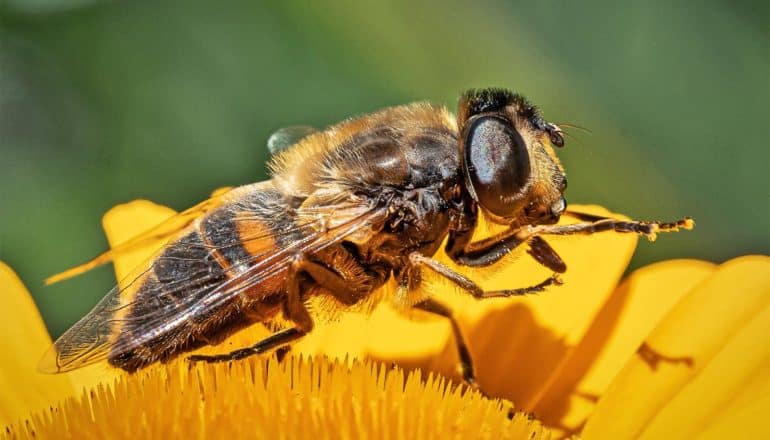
(253, 398)
(678, 349)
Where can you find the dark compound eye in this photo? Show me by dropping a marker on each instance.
(496, 164)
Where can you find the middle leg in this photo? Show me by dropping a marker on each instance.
(294, 309)
(471, 287)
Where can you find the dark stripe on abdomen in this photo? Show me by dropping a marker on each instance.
(190, 269)
(182, 275)
(221, 233)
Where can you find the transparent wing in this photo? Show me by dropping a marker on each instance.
(124, 321)
(288, 136)
(162, 231)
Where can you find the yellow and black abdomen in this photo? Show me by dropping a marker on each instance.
(178, 296)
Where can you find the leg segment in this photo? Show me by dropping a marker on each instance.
(544, 254)
(341, 288)
(473, 288)
(485, 252)
(490, 250)
(278, 339)
(466, 362)
(649, 229)
(294, 309)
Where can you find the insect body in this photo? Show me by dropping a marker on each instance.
(346, 209)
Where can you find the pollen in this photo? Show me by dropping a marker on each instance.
(296, 398)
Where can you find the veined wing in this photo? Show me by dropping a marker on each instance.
(199, 289)
(165, 230)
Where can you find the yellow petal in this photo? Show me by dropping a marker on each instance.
(721, 327)
(520, 345)
(746, 412)
(22, 341)
(626, 319)
(392, 336)
(735, 368)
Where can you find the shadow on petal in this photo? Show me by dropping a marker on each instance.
(522, 344)
(721, 324)
(626, 319)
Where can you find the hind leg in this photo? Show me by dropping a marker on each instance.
(278, 339)
(466, 362)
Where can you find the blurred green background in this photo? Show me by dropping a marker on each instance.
(104, 102)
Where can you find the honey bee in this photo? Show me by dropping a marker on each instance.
(346, 209)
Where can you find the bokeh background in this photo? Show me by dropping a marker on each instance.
(104, 102)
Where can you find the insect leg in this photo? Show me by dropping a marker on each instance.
(278, 339)
(483, 252)
(338, 286)
(650, 229)
(466, 362)
(294, 309)
(470, 286)
(490, 250)
(544, 254)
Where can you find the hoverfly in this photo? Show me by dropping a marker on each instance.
(347, 209)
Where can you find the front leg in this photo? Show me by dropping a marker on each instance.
(603, 224)
(490, 250)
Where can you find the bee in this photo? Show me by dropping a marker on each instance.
(346, 210)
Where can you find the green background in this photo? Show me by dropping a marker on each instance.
(104, 102)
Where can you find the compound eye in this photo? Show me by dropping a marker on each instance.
(496, 164)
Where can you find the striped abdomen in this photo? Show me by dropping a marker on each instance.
(217, 247)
